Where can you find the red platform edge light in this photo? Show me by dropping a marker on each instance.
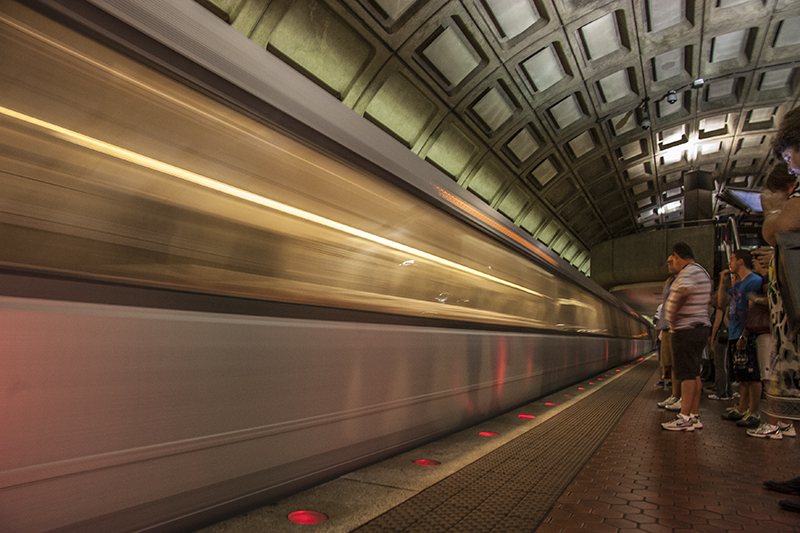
(307, 517)
(618, 370)
(526, 416)
(550, 403)
(426, 462)
(581, 388)
(568, 395)
(488, 434)
(591, 383)
(600, 379)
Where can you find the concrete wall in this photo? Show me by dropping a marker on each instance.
(642, 258)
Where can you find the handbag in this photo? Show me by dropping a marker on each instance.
(722, 335)
(756, 319)
(739, 359)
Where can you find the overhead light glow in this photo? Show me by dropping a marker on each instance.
(670, 207)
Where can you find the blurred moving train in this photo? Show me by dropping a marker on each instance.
(206, 304)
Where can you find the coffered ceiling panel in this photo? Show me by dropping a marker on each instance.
(576, 119)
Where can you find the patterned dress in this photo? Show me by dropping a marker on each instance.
(783, 394)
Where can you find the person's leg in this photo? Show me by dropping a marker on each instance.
(676, 386)
(755, 396)
(695, 406)
(722, 381)
(687, 396)
(668, 360)
(744, 399)
(692, 387)
(754, 369)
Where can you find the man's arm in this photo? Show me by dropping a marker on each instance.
(678, 297)
(723, 298)
(779, 219)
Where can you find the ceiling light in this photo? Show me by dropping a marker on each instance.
(670, 207)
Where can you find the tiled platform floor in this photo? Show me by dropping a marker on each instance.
(643, 478)
(601, 463)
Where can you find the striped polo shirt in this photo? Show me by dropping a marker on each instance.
(695, 310)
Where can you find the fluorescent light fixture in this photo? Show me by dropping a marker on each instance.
(670, 207)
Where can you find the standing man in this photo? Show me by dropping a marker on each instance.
(687, 314)
(742, 359)
(673, 403)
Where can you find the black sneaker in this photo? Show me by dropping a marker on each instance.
(786, 487)
(734, 415)
(790, 505)
(749, 421)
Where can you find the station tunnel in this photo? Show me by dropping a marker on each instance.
(251, 247)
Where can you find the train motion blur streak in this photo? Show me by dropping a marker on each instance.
(159, 417)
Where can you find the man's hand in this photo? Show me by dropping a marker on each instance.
(741, 342)
(763, 257)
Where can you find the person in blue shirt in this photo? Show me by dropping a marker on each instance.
(741, 348)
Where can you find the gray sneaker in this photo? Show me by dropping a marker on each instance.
(679, 424)
(675, 406)
(696, 422)
(715, 397)
(668, 401)
(787, 430)
(733, 414)
(766, 431)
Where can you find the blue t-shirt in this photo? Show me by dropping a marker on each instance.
(739, 303)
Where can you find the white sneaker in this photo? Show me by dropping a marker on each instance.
(715, 397)
(787, 430)
(676, 406)
(668, 401)
(696, 422)
(679, 424)
(767, 431)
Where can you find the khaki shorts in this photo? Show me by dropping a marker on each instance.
(666, 348)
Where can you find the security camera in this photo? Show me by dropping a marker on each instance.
(672, 97)
(646, 123)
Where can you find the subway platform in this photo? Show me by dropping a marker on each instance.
(592, 457)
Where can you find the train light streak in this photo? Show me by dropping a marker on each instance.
(191, 177)
(464, 206)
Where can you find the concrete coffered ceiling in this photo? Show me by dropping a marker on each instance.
(538, 106)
